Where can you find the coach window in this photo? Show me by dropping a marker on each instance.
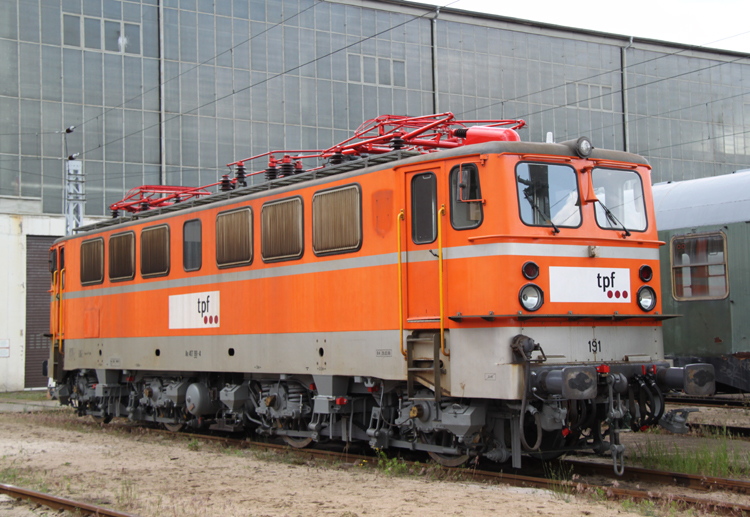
(155, 251)
(192, 252)
(281, 235)
(337, 220)
(92, 262)
(699, 266)
(424, 208)
(548, 194)
(466, 197)
(122, 256)
(622, 193)
(234, 238)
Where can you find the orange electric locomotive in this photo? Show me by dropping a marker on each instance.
(430, 284)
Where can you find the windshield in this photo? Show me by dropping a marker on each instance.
(622, 193)
(548, 194)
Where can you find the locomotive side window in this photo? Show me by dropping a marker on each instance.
(548, 194)
(234, 238)
(337, 220)
(424, 208)
(92, 262)
(192, 252)
(155, 251)
(622, 193)
(281, 230)
(122, 256)
(699, 267)
(466, 195)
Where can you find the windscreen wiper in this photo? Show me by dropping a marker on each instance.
(535, 207)
(612, 218)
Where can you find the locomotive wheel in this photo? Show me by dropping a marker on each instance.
(293, 425)
(102, 419)
(445, 439)
(173, 428)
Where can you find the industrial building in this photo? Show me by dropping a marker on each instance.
(169, 91)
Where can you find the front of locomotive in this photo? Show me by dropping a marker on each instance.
(576, 253)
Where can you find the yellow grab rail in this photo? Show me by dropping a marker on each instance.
(441, 213)
(60, 313)
(400, 288)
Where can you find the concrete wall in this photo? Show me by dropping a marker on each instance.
(13, 231)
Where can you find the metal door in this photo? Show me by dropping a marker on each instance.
(424, 217)
(37, 309)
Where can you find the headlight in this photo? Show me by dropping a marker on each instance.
(531, 297)
(530, 270)
(646, 273)
(584, 147)
(646, 298)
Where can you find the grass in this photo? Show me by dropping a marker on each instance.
(25, 395)
(714, 457)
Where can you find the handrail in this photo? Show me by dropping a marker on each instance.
(54, 296)
(564, 237)
(441, 213)
(59, 305)
(400, 288)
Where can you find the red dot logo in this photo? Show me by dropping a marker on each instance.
(216, 320)
(624, 294)
(609, 294)
(205, 320)
(617, 294)
(211, 320)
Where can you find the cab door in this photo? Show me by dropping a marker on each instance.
(425, 213)
(57, 270)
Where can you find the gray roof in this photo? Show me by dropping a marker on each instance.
(703, 202)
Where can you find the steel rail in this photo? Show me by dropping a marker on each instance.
(59, 503)
(709, 402)
(632, 473)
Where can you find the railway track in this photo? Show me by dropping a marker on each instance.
(59, 503)
(640, 475)
(714, 402)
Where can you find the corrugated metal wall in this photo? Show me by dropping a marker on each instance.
(37, 308)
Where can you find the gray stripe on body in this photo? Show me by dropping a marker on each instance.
(459, 252)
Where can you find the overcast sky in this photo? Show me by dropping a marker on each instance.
(695, 22)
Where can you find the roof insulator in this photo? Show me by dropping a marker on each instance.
(240, 174)
(226, 183)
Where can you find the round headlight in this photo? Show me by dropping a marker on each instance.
(531, 297)
(646, 298)
(584, 147)
(530, 270)
(646, 273)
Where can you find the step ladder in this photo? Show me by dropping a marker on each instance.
(412, 371)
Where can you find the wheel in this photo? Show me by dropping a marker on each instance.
(445, 439)
(102, 419)
(173, 428)
(295, 425)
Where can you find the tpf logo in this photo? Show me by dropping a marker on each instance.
(607, 284)
(194, 310)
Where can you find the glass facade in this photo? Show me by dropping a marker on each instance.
(175, 89)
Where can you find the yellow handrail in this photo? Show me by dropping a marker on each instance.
(441, 213)
(54, 298)
(400, 288)
(59, 318)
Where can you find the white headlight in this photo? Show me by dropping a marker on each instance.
(584, 147)
(646, 298)
(531, 297)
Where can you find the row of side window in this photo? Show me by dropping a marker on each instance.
(336, 224)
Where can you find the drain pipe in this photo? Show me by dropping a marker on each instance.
(624, 93)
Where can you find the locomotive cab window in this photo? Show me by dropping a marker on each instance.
(92, 262)
(466, 197)
(281, 230)
(424, 208)
(337, 220)
(621, 192)
(155, 251)
(192, 252)
(699, 267)
(122, 256)
(548, 194)
(234, 238)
